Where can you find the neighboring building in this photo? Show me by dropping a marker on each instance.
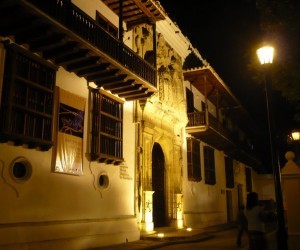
(107, 132)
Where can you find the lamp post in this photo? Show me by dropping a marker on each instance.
(265, 55)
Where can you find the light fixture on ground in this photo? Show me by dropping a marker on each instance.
(160, 235)
(265, 56)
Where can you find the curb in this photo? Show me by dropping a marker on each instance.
(175, 242)
(188, 239)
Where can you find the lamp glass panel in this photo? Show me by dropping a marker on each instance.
(296, 135)
(265, 54)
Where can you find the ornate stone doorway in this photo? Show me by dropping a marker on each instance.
(158, 186)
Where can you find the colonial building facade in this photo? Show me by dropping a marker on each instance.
(112, 124)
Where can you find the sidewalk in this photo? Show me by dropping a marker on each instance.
(171, 236)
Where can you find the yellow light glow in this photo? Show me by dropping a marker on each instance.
(296, 135)
(148, 217)
(149, 227)
(189, 229)
(265, 54)
(160, 235)
(179, 223)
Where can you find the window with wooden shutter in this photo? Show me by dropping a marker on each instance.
(26, 114)
(229, 172)
(193, 160)
(106, 128)
(209, 165)
(248, 179)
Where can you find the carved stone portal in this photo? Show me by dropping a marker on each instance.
(161, 121)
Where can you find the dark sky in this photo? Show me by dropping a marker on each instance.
(227, 34)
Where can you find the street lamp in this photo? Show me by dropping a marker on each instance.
(265, 56)
(295, 142)
(295, 135)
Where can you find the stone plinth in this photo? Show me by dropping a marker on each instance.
(290, 175)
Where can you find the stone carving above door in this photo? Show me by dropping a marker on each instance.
(169, 65)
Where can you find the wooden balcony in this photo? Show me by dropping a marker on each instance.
(207, 128)
(60, 32)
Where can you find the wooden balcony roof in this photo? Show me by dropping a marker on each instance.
(60, 32)
(137, 11)
(212, 137)
(206, 80)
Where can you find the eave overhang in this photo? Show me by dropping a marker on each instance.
(206, 80)
(60, 32)
(211, 136)
(135, 12)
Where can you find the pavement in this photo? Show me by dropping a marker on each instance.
(171, 236)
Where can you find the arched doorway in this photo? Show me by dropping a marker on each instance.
(158, 185)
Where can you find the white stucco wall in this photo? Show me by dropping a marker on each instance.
(263, 184)
(198, 98)
(205, 204)
(91, 6)
(71, 210)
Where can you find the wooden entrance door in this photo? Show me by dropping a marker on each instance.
(158, 185)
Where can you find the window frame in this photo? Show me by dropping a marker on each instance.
(106, 127)
(27, 99)
(229, 172)
(248, 175)
(209, 165)
(189, 100)
(106, 24)
(193, 160)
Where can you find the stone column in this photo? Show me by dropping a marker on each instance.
(290, 175)
(179, 210)
(147, 223)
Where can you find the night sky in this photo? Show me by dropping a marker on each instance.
(227, 35)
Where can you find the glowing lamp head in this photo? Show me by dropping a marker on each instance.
(296, 135)
(265, 54)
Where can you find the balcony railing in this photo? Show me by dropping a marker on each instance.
(87, 28)
(198, 119)
(214, 133)
(207, 128)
